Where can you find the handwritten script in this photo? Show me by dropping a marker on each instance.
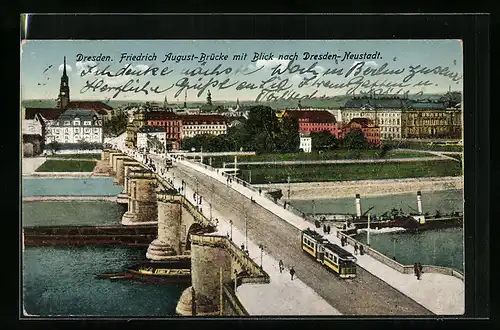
(283, 80)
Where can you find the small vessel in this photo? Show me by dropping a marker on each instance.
(178, 270)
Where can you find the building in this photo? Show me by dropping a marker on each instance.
(171, 122)
(105, 111)
(386, 112)
(432, 120)
(235, 121)
(63, 102)
(314, 121)
(75, 126)
(203, 124)
(408, 119)
(33, 134)
(156, 137)
(370, 130)
(305, 143)
(138, 120)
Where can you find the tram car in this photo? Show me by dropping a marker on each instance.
(330, 255)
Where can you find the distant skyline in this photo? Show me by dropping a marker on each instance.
(41, 67)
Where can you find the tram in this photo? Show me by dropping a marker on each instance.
(329, 255)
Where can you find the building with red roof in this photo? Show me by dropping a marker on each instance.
(370, 130)
(314, 121)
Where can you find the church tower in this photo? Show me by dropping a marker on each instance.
(63, 99)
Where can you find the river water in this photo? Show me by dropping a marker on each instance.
(444, 247)
(60, 280)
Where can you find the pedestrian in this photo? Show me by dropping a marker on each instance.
(420, 268)
(328, 229)
(355, 248)
(284, 205)
(324, 229)
(280, 264)
(292, 272)
(260, 191)
(242, 247)
(415, 267)
(361, 249)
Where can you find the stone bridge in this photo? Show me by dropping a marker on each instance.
(217, 264)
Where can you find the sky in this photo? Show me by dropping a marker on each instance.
(42, 64)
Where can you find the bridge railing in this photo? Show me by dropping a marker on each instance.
(255, 273)
(248, 185)
(405, 269)
(233, 300)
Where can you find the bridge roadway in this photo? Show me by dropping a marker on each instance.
(364, 295)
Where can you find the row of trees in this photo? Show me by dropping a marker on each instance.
(264, 133)
(116, 125)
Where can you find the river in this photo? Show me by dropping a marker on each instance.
(435, 247)
(60, 280)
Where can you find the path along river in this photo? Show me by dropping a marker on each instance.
(433, 247)
(60, 280)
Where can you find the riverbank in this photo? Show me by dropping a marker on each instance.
(324, 190)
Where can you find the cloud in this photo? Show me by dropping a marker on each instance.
(268, 65)
(85, 65)
(68, 67)
(367, 63)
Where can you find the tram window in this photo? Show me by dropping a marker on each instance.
(335, 259)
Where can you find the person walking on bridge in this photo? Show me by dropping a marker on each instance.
(292, 272)
(281, 266)
(356, 248)
(260, 191)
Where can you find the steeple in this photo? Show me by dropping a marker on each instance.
(64, 68)
(165, 103)
(209, 98)
(185, 98)
(63, 98)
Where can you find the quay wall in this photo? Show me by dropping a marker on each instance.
(405, 269)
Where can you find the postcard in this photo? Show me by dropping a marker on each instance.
(242, 178)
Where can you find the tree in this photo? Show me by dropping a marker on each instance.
(384, 149)
(354, 140)
(54, 146)
(289, 138)
(324, 140)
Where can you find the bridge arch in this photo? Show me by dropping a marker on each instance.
(194, 228)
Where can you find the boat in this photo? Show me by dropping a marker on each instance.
(172, 270)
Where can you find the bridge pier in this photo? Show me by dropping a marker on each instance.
(208, 258)
(142, 206)
(128, 166)
(105, 154)
(168, 243)
(119, 168)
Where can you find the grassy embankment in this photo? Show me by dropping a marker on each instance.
(54, 165)
(428, 146)
(330, 155)
(346, 172)
(76, 156)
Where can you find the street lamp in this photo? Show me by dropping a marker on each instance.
(261, 247)
(246, 232)
(231, 224)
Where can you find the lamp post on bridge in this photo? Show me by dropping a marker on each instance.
(246, 232)
(261, 247)
(231, 226)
